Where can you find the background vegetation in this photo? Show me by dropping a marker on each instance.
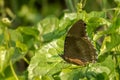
(32, 34)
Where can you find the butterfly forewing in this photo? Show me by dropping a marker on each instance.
(77, 30)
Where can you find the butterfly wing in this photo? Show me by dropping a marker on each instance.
(79, 51)
(77, 48)
(77, 30)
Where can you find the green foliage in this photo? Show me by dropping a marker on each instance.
(44, 43)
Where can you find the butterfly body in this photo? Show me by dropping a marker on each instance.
(77, 48)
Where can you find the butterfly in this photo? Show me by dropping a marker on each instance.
(77, 47)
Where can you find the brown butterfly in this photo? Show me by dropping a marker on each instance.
(77, 48)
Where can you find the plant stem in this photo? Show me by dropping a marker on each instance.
(70, 5)
(26, 60)
(12, 69)
(116, 64)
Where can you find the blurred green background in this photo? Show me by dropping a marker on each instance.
(29, 12)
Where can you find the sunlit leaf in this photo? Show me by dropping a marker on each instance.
(5, 57)
(51, 28)
(47, 60)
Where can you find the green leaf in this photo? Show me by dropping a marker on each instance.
(110, 43)
(48, 25)
(47, 60)
(71, 16)
(102, 76)
(114, 41)
(114, 27)
(97, 14)
(71, 74)
(53, 29)
(18, 54)
(29, 31)
(5, 57)
(93, 23)
(15, 35)
(22, 46)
